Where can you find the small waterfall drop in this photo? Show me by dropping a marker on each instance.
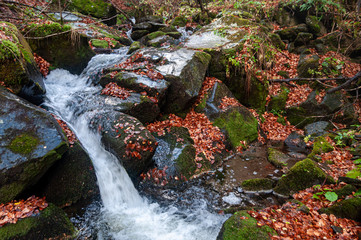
(125, 213)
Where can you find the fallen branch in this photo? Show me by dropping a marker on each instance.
(47, 36)
(345, 84)
(306, 79)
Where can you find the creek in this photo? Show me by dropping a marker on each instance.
(123, 212)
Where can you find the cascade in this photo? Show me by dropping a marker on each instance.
(124, 213)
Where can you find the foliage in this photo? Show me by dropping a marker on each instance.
(329, 195)
(321, 6)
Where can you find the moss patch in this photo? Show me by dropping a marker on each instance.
(277, 158)
(95, 8)
(236, 228)
(302, 175)
(203, 57)
(321, 145)
(238, 126)
(185, 161)
(24, 144)
(154, 35)
(50, 223)
(42, 30)
(257, 184)
(349, 208)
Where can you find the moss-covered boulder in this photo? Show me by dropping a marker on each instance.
(31, 141)
(307, 66)
(160, 41)
(277, 158)
(317, 129)
(302, 175)
(134, 47)
(349, 208)
(98, 43)
(321, 145)
(70, 180)
(138, 34)
(315, 26)
(127, 139)
(50, 223)
(242, 226)
(345, 190)
(95, 8)
(303, 39)
(18, 69)
(278, 102)
(257, 184)
(64, 49)
(290, 33)
(277, 41)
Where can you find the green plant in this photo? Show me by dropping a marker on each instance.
(343, 137)
(329, 195)
(355, 173)
(321, 6)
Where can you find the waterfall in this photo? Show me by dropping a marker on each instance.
(126, 214)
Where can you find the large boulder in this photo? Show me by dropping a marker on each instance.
(127, 139)
(349, 208)
(61, 46)
(18, 70)
(70, 180)
(50, 223)
(31, 141)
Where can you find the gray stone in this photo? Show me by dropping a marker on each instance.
(317, 129)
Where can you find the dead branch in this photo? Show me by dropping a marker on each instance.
(305, 79)
(345, 84)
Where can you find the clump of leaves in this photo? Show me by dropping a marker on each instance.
(328, 193)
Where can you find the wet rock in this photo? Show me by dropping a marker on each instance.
(159, 41)
(353, 181)
(127, 139)
(176, 152)
(277, 158)
(31, 141)
(70, 180)
(139, 34)
(317, 129)
(277, 41)
(242, 226)
(184, 70)
(257, 184)
(98, 43)
(306, 65)
(18, 69)
(349, 208)
(52, 49)
(180, 21)
(321, 145)
(278, 102)
(50, 223)
(302, 175)
(295, 141)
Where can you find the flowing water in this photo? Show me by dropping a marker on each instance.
(123, 213)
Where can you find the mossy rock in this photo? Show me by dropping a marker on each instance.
(277, 41)
(307, 65)
(257, 184)
(98, 43)
(303, 39)
(154, 35)
(134, 47)
(95, 8)
(316, 27)
(180, 21)
(45, 29)
(349, 208)
(298, 116)
(24, 144)
(239, 125)
(168, 29)
(138, 34)
(174, 35)
(278, 102)
(302, 175)
(237, 228)
(321, 145)
(17, 65)
(76, 57)
(50, 223)
(290, 34)
(345, 190)
(277, 158)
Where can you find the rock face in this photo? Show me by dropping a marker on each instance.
(127, 139)
(22, 73)
(31, 141)
(50, 223)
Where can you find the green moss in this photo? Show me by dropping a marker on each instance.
(51, 222)
(154, 35)
(24, 144)
(134, 47)
(321, 145)
(349, 208)
(95, 8)
(174, 35)
(185, 161)
(278, 102)
(231, 20)
(8, 50)
(202, 104)
(236, 228)
(10, 192)
(277, 41)
(313, 24)
(297, 116)
(302, 175)
(97, 43)
(42, 30)
(203, 57)
(238, 126)
(179, 21)
(257, 184)
(277, 158)
(345, 190)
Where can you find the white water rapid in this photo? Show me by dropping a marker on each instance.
(125, 214)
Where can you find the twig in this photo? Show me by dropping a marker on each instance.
(47, 36)
(305, 79)
(345, 84)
